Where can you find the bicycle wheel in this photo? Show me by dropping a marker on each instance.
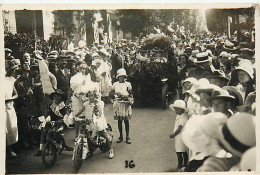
(49, 154)
(78, 150)
(103, 146)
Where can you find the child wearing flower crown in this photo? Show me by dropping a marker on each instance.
(94, 109)
(179, 106)
(122, 92)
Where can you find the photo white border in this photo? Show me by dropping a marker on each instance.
(135, 4)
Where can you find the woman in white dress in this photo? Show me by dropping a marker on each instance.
(11, 118)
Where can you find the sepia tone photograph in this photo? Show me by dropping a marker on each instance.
(129, 90)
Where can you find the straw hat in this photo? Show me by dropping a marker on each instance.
(201, 58)
(238, 134)
(178, 104)
(121, 72)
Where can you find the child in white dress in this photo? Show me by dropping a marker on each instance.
(94, 109)
(179, 107)
(122, 91)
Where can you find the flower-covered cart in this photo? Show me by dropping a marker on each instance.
(155, 78)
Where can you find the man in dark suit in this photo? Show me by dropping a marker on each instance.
(62, 74)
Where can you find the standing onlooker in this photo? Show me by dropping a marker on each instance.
(63, 74)
(179, 106)
(122, 90)
(11, 118)
(23, 105)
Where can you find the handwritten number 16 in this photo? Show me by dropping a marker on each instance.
(130, 164)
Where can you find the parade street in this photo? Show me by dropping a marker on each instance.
(151, 150)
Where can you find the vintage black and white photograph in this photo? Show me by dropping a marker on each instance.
(129, 90)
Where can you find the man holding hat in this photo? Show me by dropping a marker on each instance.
(203, 68)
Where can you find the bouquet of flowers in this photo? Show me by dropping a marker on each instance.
(97, 110)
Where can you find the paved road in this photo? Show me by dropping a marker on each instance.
(151, 149)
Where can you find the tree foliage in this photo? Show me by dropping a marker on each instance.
(65, 17)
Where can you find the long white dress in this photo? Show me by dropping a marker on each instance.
(105, 81)
(11, 118)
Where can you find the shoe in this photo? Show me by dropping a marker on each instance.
(120, 139)
(68, 148)
(39, 153)
(128, 141)
(111, 154)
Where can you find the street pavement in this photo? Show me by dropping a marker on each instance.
(151, 150)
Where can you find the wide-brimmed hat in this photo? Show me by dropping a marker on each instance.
(121, 72)
(247, 67)
(208, 88)
(178, 104)
(191, 80)
(201, 58)
(220, 94)
(59, 92)
(234, 92)
(199, 133)
(238, 134)
(218, 74)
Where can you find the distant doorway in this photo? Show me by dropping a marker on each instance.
(28, 21)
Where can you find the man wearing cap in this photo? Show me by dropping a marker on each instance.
(23, 105)
(203, 67)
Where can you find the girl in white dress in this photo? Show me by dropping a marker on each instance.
(122, 91)
(93, 108)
